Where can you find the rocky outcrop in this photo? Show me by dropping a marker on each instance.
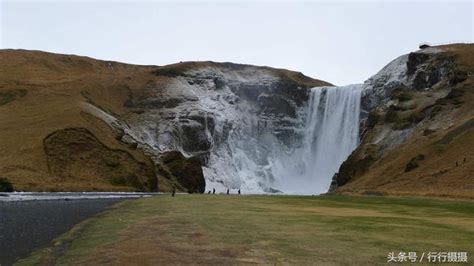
(195, 102)
(75, 153)
(414, 162)
(412, 98)
(187, 172)
(207, 110)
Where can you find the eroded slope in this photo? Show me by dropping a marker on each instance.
(419, 134)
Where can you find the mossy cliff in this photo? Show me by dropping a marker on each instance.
(417, 128)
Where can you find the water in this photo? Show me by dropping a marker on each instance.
(331, 133)
(43, 196)
(256, 161)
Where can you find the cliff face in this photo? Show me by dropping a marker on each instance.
(226, 115)
(192, 106)
(417, 128)
(75, 123)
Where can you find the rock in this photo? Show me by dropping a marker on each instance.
(187, 171)
(5, 185)
(202, 108)
(424, 46)
(410, 91)
(428, 132)
(414, 162)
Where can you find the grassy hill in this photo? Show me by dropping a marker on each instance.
(437, 156)
(49, 139)
(41, 93)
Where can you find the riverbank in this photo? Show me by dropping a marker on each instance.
(221, 229)
(29, 221)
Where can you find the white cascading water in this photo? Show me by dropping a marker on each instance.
(261, 163)
(294, 151)
(331, 133)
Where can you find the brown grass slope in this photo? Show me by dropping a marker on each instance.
(42, 95)
(50, 90)
(429, 162)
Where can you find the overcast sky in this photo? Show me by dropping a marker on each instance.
(340, 42)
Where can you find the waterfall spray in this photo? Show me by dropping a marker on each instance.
(331, 133)
(256, 162)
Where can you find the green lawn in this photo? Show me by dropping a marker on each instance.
(220, 229)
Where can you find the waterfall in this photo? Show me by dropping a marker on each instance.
(328, 132)
(331, 133)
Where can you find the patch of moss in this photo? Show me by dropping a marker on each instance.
(130, 180)
(165, 172)
(402, 94)
(416, 117)
(436, 110)
(428, 132)
(86, 96)
(458, 76)
(408, 118)
(5, 185)
(442, 102)
(11, 95)
(405, 96)
(414, 162)
(112, 162)
(455, 95)
(168, 72)
(185, 171)
(22, 92)
(391, 115)
(77, 153)
(373, 119)
(400, 125)
(6, 97)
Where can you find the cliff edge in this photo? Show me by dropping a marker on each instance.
(418, 128)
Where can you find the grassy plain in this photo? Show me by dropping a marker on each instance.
(220, 229)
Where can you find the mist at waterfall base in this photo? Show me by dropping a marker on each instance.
(256, 163)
